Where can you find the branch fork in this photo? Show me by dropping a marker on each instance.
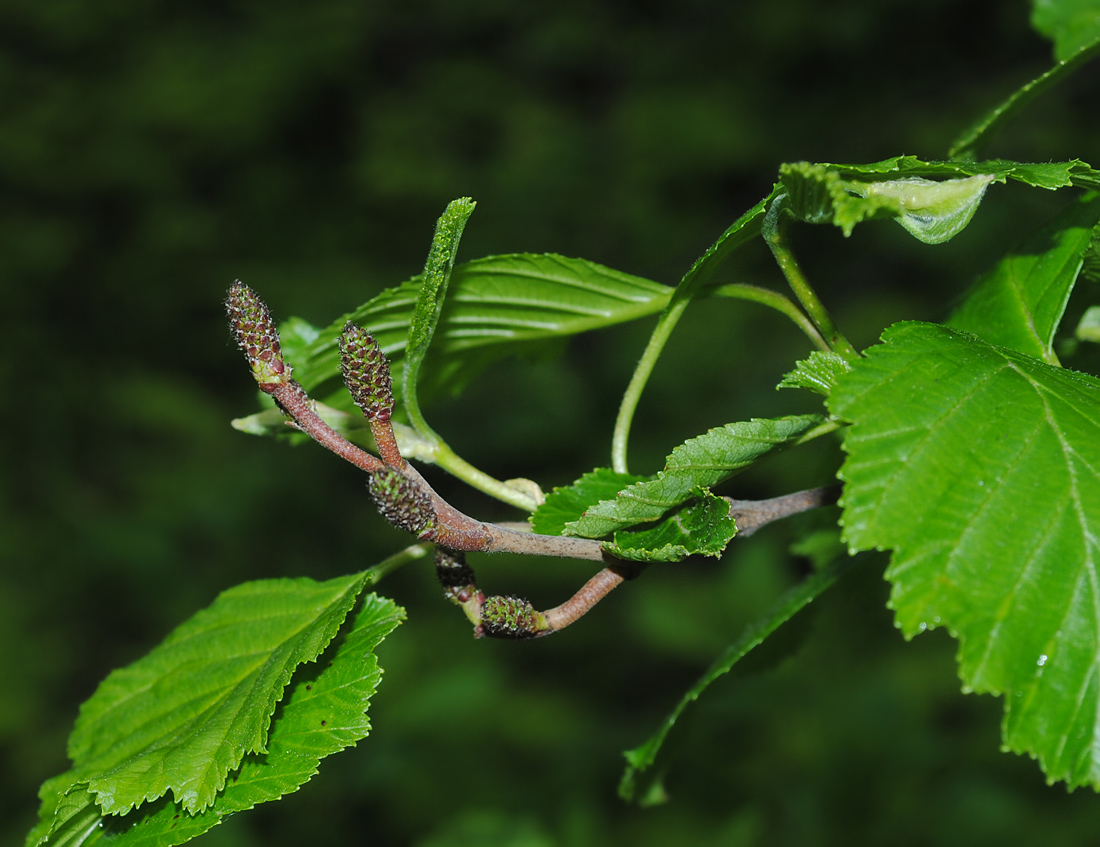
(406, 499)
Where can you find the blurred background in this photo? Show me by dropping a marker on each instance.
(151, 153)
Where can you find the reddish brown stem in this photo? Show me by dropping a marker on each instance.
(591, 593)
(293, 400)
(386, 442)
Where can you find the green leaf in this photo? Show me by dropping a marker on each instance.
(183, 716)
(980, 468)
(641, 758)
(564, 505)
(982, 131)
(703, 528)
(498, 306)
(1071, 24)
(324, 713)
(1020, 301)
(700, 462)
(818, 373)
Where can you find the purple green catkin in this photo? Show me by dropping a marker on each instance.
(511, 617)
(402, 502)
(255, 333)
(366, 373)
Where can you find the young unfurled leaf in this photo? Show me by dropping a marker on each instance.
(980, 468)
(703, 528)
(323, 713)
(701, 462)
(429, 302)
(564, 505)
(840, 194)
(1020, 301)
(1050, 175)
(818, 372)
(932, 212)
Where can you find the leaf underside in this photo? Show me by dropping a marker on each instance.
(980, 468)
(496, 306)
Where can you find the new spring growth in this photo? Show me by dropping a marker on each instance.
(366, 372)
(252, 327)
(511, 617)
(402, 502)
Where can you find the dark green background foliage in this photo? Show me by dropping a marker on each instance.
(150, 153)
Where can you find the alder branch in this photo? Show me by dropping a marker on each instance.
(750, 515)
(407, 501)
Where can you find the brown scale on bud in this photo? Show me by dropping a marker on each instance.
(402, 502)
(511, 617)
(451, 568)
(255, 333)
(366, 372)
(458, 581)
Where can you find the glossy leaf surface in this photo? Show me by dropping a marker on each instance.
(565, 504)
(497, 306)
(980, 468)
